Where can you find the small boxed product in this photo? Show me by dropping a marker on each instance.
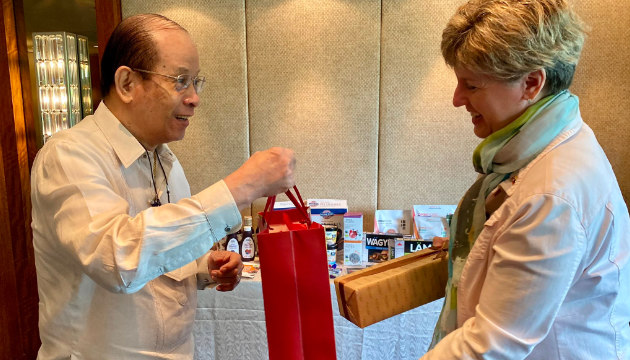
(431, 220)
(353, 239)
(282, 205)
(393, 222)
(376, 293)
(328, 211)
(377, 246)
(406, 246)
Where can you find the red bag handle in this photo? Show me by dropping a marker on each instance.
(298, 205)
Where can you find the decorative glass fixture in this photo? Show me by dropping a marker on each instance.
(63, 80)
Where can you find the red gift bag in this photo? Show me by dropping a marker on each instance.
(295, 284)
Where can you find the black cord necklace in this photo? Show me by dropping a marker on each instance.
(156, 200)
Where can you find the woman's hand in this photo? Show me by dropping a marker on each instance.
(440, 242)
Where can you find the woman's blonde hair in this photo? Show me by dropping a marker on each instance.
(506, 39)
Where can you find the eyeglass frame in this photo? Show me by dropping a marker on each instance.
(180, 85)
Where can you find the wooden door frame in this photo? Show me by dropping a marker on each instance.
(19, 335)
(108, 15)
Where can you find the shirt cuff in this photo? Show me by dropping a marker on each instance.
(220, 209)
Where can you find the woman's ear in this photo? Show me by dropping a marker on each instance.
(125, 83)
(534, 84)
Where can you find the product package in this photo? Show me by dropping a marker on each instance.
(332, 234)
(384, 290)
(402, 247)
(393, 222)
(377, 247)
(431, 220)
(353, 239)
(283, 205)
(328, 211)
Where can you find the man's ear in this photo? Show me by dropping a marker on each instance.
(126, 81)
(534, 84)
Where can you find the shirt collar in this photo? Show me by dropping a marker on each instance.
(125, 145)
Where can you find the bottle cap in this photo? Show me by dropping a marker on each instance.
(247, 221)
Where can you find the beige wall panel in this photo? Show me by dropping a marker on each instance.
(216, 141)
(425, 143)
(313, 86)
(602, 78)
(422, 132)
(368, 110)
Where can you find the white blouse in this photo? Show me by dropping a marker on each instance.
(548, 278)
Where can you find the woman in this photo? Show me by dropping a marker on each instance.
(540, 243)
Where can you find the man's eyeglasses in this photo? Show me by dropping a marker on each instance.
(182, 82)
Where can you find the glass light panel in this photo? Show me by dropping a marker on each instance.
(63, 78)
(84, 76)
(47, 125)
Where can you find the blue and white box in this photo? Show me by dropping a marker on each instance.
(328, 211)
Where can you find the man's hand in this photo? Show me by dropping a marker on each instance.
(225, 268)
(266, 173)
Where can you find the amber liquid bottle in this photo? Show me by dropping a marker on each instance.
(232, 244)
(248, 247)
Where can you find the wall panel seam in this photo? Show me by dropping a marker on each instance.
(247, 91)
(378, 118)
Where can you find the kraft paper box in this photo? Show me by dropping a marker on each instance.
(376, 293)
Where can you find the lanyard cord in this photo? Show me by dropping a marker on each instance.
(156, 201)
(168, 193)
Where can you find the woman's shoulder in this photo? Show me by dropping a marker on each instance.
(575, 170)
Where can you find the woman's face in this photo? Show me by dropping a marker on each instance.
(492, 104)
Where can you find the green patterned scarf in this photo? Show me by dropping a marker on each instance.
(496, 158)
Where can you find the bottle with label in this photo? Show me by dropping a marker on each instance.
(248, 247)
(232, 244)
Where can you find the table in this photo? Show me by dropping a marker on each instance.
(231, 325)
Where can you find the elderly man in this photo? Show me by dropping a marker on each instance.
(120, 243)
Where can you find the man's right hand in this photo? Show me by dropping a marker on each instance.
(265, 173)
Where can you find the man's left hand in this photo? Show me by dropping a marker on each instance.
(225, 268)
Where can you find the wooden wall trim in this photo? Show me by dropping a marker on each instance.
(108, 15)
(17, 268)
(27, 100)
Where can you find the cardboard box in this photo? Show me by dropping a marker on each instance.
(328, 211)
(377, 246)
(402, 247)
(376, 293)
(353, 239)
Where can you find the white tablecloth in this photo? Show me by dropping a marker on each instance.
(231, 325)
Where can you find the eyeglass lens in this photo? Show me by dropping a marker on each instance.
(184, 81)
